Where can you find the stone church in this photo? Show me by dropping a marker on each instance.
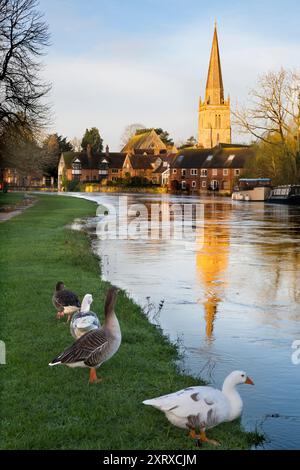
(214, 125)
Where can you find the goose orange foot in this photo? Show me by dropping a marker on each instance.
(93, 377)
(202, 438)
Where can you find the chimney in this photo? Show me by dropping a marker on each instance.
(107, 151)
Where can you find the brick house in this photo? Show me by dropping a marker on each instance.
(16, 179)
(201, 170)
(150, 167)
(88, 167)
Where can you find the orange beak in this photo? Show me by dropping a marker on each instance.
(249, 381)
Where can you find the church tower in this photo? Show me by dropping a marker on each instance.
(214, 112)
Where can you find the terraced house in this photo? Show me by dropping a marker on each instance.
(201, 170)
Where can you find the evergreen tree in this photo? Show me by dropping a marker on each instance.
(92, 137)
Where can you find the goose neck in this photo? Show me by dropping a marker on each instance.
(111, 321)
(234, 398)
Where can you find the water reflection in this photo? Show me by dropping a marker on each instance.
(212, 262)
(234, 300)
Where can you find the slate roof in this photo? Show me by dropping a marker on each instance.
(221, 156)
(115, 159)
(142, 162)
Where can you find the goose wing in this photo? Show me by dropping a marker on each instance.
(88, 349)
(64, 298)
(200, 406)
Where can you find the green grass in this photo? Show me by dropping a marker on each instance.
(56, 408)
(10, 198)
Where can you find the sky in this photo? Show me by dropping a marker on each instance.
(117, 62)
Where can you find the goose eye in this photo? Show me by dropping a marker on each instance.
(243, 375)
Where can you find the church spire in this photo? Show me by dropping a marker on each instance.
(214, 86)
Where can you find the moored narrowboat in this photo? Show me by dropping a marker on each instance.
(288, 194)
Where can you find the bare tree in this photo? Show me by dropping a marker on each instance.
(273, 107)
(22, 151)
(129, 132)
(273, 119)
(23, 37)
(76, 143)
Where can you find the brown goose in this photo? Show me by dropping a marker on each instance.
(96, 346)
(65, 301)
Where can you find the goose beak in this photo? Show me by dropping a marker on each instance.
(249, 381)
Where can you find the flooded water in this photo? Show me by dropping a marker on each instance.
(233, 301)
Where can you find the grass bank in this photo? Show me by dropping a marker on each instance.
(7, 199)
(55, 408)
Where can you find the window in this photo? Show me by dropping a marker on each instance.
(225, 172)
(174, 171)
(209, 159)
(76, 167)
(230, 159)
(215, 172)
(194, 184)
(203, 173)
(194, 172)
(114, 170)
(214, 185)
(203, 184)
(114, 178)
(183, 185)
(183, 172)
(237, 172)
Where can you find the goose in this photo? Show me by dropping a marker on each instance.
(85, 320)
(200, 408)
(96, 346)
(65, 301)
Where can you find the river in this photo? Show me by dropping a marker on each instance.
(231, 301)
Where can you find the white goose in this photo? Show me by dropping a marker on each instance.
(85, 320)
(201, 408)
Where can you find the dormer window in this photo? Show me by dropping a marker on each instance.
(103, 167)
(76, 167)
(230, 158)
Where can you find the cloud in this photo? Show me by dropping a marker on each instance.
(156, 81)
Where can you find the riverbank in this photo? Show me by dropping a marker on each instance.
(13, 204)
(55, 408)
